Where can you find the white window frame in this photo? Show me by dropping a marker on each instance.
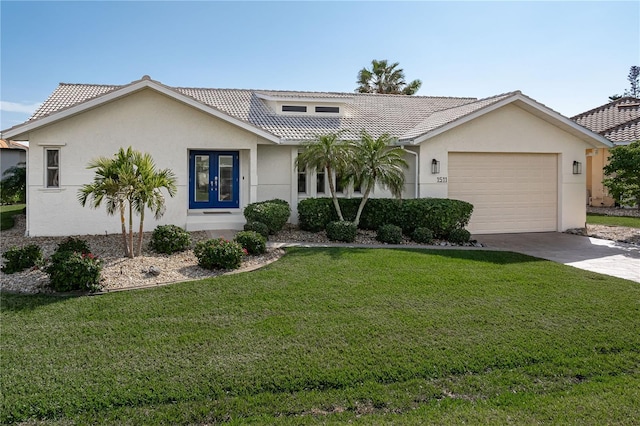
(47, 167)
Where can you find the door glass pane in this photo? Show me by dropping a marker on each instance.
(225, 177)
(201, 181)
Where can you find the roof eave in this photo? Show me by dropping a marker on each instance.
(22, 130)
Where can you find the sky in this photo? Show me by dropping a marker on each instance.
(570, 56)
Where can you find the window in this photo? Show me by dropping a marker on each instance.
(334, 110)
(52, 167)
(320, 182)
(294, 108)
(302, 181)
(339, 184)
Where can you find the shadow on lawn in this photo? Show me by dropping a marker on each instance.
(495, 257)
(27, 302)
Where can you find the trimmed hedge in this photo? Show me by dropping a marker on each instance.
(251, 241)
(258, 227)
(390, 234)
(344, 231)
(169, 239)
(273, 213)
(440, 215)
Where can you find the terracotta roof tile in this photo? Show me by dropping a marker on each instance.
(618, 121)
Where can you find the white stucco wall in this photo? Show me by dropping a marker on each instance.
(146, 120)
(511, 129)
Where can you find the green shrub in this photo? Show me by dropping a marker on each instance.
(258, 227)
(20, 258)
(459, 236)
(73, 244)
(252, 241)
(441, 215)
(219, 253)
(381, 211)
(315, 213)
(273, 213)
(71, 270)
(422, 235)
(342, 231)
(169, 239)
(390, 234)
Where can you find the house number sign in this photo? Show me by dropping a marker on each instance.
(441, 179)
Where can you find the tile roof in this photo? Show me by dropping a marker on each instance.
(404, 117)
(618, 121)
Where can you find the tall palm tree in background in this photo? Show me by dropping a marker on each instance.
(385, 78)
(374, 161)
(148, 192)
(326, 152)
(128, 182)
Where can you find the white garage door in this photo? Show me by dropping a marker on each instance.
(509, 192)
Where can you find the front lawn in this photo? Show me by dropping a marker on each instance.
(631, 222)
(334, 335)
(7, 213)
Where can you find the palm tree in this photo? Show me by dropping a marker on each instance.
(128, 182)
(148, 189)
(373, 162)
(385, 78)
(326, 152)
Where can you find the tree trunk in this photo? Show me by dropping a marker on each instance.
(365, 197)
(131, 253)
(139, 250)
(332, 189)
(124, 230)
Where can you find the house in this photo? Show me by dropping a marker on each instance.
(509, 155)
(619, 122)
(11, 154)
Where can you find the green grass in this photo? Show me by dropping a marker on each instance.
(7, 213)
(334, 335)
(631, 222)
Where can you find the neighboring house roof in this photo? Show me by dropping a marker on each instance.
(618, 121)
(412, 119)
(12, 145)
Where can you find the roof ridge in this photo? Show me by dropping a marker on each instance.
(620, 125)
(605, 106)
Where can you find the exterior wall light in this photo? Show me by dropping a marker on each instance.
(577, 168)
(435, 167)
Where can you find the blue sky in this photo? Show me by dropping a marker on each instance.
(568, 55)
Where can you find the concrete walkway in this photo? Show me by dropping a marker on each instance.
(592, 254)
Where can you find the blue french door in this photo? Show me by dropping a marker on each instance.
(214, 179)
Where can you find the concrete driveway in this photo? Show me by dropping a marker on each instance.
(592, 254)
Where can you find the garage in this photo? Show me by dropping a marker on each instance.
(510, 192)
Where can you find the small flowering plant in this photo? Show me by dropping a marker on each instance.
(72, 270)
(219, 253)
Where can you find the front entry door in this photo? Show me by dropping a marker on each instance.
(214, 179)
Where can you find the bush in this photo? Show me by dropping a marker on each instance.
(74, 244)
(273, 213)
(219, 253)
(342, 231)
(422, 235)
(169, 239)
(459, 236)
(315, 213)
(390, 234)
(72, 270)
(20, 258)
(252, 241)
(441, 215)
(258, 227)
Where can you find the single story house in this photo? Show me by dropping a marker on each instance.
(11, 154)
(510, 156)
(619, 122)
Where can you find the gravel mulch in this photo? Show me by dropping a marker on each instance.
(123, 273)
(118, 272)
